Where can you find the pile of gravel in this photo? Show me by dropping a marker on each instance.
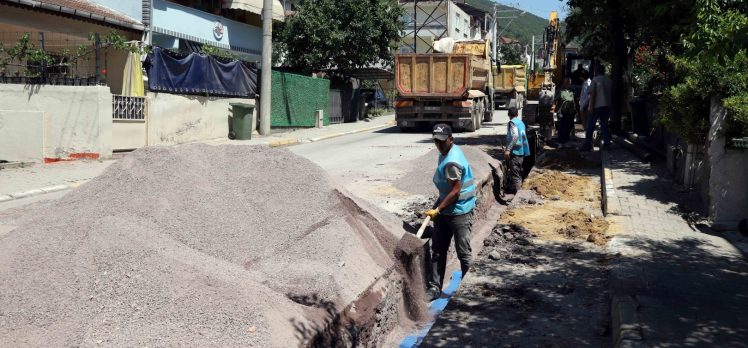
(190, 245)
(420, 181)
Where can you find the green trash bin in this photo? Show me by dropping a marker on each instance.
(241, 121)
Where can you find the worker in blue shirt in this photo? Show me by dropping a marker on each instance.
(453, 215)
(517, 148)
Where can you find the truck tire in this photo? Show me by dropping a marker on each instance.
(479, 114)
(472, 126)
(488, 115)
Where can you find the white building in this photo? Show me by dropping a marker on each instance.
(428, 21)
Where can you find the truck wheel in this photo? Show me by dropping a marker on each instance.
(479, 114)
(471, 127)
(488, 115)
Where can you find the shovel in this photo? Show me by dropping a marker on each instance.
(412, 245)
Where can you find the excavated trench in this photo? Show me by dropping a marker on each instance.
(394, 305)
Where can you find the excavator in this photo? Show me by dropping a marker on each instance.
(558, 60)
(553, 64)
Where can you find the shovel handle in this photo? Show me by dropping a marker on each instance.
(423, 227)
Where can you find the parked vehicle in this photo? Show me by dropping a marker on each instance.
(454, 88)
(506, 79)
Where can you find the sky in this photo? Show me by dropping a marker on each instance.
(540, 8)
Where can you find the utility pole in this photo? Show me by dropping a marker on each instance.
(494, 37)
(267, 65)
(532, 57)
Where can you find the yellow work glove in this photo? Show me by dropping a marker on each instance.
(432, 213)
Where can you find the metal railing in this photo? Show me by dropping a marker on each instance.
(129, 108)
(335, 107)
(71, 59)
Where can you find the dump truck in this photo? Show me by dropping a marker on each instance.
(506, 79)
(454, 88)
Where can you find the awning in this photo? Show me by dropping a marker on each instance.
(255, 6)
(372, 74)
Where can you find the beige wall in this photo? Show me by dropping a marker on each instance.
(73, 120)
(21, 135)
(728, 184)
(176, 119)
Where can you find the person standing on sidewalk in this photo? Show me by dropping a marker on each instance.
(584, 100)
(565, 105)
(601, 91)
(453, 216)
(517, 147)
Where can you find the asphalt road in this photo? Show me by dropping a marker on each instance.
(367, 164)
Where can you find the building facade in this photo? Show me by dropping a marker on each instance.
(429, 21)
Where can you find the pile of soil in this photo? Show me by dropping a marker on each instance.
(557, 222)
(191, 245)
(578, 224)
(558, 186)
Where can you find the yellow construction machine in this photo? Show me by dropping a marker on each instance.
(553, 65)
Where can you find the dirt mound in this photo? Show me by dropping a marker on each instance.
(191, 245)
(579, 224)
(557, 222)
(557, 185)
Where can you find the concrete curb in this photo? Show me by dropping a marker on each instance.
(40, 191)
(296, 141)
(623, 283)
(610, 203)
(626, 329)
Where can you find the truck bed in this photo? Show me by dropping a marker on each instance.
(438, 75)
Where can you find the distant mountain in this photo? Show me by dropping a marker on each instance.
(521, 28)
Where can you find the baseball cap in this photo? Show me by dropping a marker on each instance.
(442, 131)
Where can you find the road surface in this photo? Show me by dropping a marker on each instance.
(367, 164)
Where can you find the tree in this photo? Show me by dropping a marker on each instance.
(705, 42)
(613, 30)
(512, 54)
(339, 34)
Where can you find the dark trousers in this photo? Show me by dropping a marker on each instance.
(565, 126)
(602, 113)
(445, 227)
(514, 171)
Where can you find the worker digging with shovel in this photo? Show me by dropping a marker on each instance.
(453, 215)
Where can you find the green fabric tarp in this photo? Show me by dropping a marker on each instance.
(296, 98)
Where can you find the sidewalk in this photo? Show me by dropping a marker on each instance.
(308, 135)
(672, 285)
(38, 179)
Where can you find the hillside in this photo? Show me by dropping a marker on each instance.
(522, 28)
